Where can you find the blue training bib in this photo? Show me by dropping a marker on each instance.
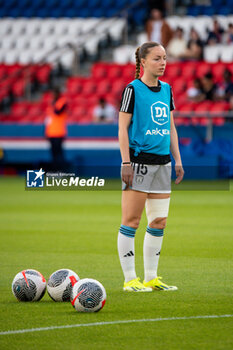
(149, 130)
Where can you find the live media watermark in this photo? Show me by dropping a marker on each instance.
(58, 180)
(94, 178)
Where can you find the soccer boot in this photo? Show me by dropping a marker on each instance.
(136, 286)
(157, 284)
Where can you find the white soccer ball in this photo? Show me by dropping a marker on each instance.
(29, 285)
(60, 284)
(88, 295)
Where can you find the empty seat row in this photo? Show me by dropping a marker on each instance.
(63, 26)
(191, 113)
(108, 81)
(217, 9)
(202, 113)
(73, 9)
(202, 24)
(48, 39)
(14, 79)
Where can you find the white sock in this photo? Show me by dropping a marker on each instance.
(151, 251)
(126, 251)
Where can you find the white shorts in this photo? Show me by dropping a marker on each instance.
(151, 178)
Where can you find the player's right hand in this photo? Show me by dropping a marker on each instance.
(127, 174)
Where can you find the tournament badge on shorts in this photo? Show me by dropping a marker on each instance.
(139, 179)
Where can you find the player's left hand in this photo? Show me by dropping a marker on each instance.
(179, 173)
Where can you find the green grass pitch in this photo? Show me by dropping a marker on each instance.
(78, 230)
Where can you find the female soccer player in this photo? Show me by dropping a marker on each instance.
(147, 133)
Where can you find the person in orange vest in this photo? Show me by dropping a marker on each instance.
(55, 128)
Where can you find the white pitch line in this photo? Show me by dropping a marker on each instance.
(29, 330)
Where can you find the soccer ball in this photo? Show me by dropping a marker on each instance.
(60, 284)
(88, 295)
(29, 285)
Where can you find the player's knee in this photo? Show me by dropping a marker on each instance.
(157, 212)
(132, 222)
(159, 223)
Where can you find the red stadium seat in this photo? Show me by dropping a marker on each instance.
(3, 71)
(18, 88)
(217, 108)
(43, 73)
(188, 70)
(99, 71)
(180, 100)
(47, 97)
(218, 70)
(75, 85)
(202, 69)
(179, 86)
(89, 87)
(19, 111)
(202, 109)
(230, 67)
(118, 87)
(186, 108)
(34, 111)
(103, 87)
(173, 70)
(114, 72)
(128, 72)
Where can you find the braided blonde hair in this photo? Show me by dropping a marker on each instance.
(142, 52)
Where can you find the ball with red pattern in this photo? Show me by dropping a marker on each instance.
(60, 284)
(88, 295)
(29, 285)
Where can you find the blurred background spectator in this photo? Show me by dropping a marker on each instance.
(55, 128)
(208, 87)
(228, 35)
(215, 36)
(104, 112)
(194, 49)
(158, 29)
(225, 88)
(195, 92)
(177, 45)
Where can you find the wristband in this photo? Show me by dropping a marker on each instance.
(124, 163)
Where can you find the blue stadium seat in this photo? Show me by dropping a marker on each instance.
(208, 10)
(66, 4)
(23, 3)
(120, 4)
(140, 16)
(70, 12)
(194, 11)
(98, 12)
(111, 12)
(109, 4)
(79, 4)
(95, 4)
(3, 12)
(84, 12)
(15, 12)
(42, 12)
(217, 3)
(52, 3)
(224, 11)
(56, 12)
(29, 12)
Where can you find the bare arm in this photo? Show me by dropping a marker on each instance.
(176, 152)
(126, 170)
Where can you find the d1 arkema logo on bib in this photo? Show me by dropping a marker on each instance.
(160, 113)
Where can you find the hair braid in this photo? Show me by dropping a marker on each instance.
(138, 64)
